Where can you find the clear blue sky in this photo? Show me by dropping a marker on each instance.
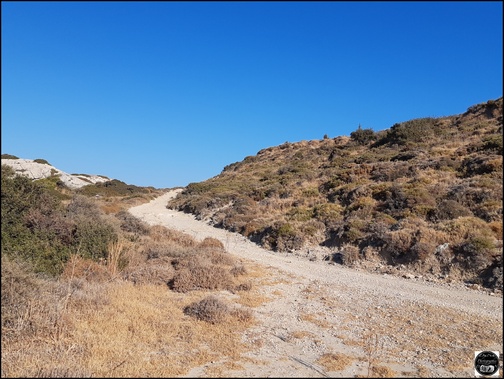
(167, 93)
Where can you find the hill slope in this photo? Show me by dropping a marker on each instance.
(426, 194)
(41, 169)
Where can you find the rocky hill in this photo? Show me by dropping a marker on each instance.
(425, 194)
(41, 169)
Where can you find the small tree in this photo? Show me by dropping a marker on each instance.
(363, 136)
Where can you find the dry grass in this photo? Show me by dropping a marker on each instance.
(373, 349)
(300, 334)
(119, 329)
(316, 319)
(382, 372)
(118, 317)
(335, 361)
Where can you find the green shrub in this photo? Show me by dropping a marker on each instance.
(300, 214)
(39, 228)
(416, 130)
(328, 212)
(112, 188)
(33, 225)
(363, 136)
(8, 156)
(92, 239)
(42, 161)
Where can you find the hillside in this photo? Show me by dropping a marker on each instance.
(425, 194)
(41, 169)
(117, 285)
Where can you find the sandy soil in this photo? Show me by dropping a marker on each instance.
(326, 320)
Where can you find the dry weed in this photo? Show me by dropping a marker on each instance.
(335, 361)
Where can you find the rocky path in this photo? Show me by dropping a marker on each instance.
(325, 320)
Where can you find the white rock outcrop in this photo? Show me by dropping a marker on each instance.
(35, 170)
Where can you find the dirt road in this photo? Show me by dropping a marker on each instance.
(325, 320)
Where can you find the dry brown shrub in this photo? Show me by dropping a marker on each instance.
(217, 257)
(161, 233)
(465, 227)
(210, 309)
(37, 325)
(87, 269)
(238, 269)
(154, 271)
(496, 228)
(370, 253)
(132, 224)
(165, 248)
(251, 227)
(22, 299)
(196, 273)
(349, 254)
(210, 242)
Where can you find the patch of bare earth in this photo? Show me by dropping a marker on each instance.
(314, 319)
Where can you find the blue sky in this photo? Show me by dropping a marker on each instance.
(167, 93)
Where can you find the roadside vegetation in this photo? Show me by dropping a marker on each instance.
(425, 194)
(88, 290)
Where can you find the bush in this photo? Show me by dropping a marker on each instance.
(42, 161)
(210, 309)
(92, 239)
(286, 237)
(132, 224)
(93, 233)
(112, 187)
(475, 254)
(416, 130)
(363, 136)
(8, 156)
(194, 273)
(447, 210)
(211, 243)
(159, 233)
(349, 255)
(33, 225)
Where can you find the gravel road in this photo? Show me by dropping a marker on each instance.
(326, 320)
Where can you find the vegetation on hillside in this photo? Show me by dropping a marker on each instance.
(426, 194)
